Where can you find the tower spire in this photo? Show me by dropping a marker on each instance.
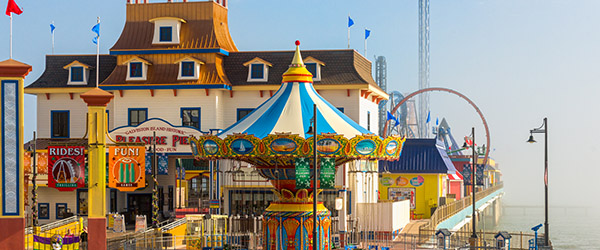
(297, 71)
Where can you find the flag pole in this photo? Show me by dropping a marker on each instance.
(10, 49)
(52, 39)
(98, 57)
(348, 30)
(365, 45)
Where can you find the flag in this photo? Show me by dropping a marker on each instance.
(350, 22)
(428, 117)
(13, 7)
(393, 118)
(96, 29)
(367, 33)
(437, 121)
(52, 28)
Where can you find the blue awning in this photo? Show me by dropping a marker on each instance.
(420, 156)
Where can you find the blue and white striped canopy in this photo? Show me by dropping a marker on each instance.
(291, 110)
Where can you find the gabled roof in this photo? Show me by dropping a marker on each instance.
(420, 156)
(163, 74)
(76, 63)
(344, 66)
(312, 59)
(137, 58)
(55, 76)
(257, 59)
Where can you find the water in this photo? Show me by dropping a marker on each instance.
(570, 227)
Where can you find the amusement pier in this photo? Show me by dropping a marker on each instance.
(176, 139)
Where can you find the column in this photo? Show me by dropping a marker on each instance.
(12, 206)
(97, 100)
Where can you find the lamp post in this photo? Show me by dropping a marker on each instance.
(313, 130)
(473, 238)
(543, 129)
(34, 214)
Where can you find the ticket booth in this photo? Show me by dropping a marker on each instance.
(443, 238)
(502, 240)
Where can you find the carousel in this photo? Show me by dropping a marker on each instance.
(277, 139)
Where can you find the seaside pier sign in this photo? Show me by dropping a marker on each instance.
(169, 138)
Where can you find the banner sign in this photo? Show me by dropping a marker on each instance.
(126, 167)
(467, 173)
(302, 173)
(163, 163)
(327, 175)
(169, 138)
(67, 167)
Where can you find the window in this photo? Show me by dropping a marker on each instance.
(171, 196)
(60, 123)
(340, 109)
(82, 202)
(167, 30)
(369, 121)
(135, 69)
(161, 198)
(61, 210)
(166, 34)
(76, 74)
(44, 211)
(137, 116)
(257, 71)
(312, 68)
(187, 69)
(241, 113)
(190, 117)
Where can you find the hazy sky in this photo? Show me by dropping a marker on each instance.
(519, 61)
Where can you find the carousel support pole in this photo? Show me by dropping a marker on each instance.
(97, 100)
(12, 204)
(315, 174)
(34, 216)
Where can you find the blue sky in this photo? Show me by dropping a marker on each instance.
(519, 61)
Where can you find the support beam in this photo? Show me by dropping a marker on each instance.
(121, 92)
(271, 93)
(231, 93)
(47, 96)
(261, 93)
(152, 92)
(71, 95)
(174, 92)
(348, 92)
(96, 100)
(206, 92)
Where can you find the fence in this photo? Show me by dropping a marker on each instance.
(446, 211)
(69, 227)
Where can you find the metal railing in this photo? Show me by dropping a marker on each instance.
(446, 211)
(53, 225)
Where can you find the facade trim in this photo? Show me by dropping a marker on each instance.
(169, 51)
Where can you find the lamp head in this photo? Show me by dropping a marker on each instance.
(531, 140)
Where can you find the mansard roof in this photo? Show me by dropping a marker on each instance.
(55, 76)
(341, 66)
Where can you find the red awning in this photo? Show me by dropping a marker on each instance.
(455, 177)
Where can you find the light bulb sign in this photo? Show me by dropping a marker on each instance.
(126, 167)
(67, 167)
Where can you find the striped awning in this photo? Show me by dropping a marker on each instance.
(455, 177)
(290, 110)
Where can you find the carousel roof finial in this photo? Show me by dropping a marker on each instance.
(297, 72)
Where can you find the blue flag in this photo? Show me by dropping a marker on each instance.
(96, 29)
(367, 33)
(391, 117)
(52, 28)
(437, 121)
(428, 117)
(350, 22)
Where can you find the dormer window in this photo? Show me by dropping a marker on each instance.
(167, 30)
(314, 67)
(189, 68)
(78, 73)
(137, 69)
(258, 70)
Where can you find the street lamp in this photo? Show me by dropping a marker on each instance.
(543, 129)
(473, 239)
(313, 130)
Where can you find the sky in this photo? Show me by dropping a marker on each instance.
(519, 61)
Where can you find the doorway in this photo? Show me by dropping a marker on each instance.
(139, 204)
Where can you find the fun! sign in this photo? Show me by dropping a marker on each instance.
(126, 167)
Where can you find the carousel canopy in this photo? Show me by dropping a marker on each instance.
(275, 133)
(290, 110)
